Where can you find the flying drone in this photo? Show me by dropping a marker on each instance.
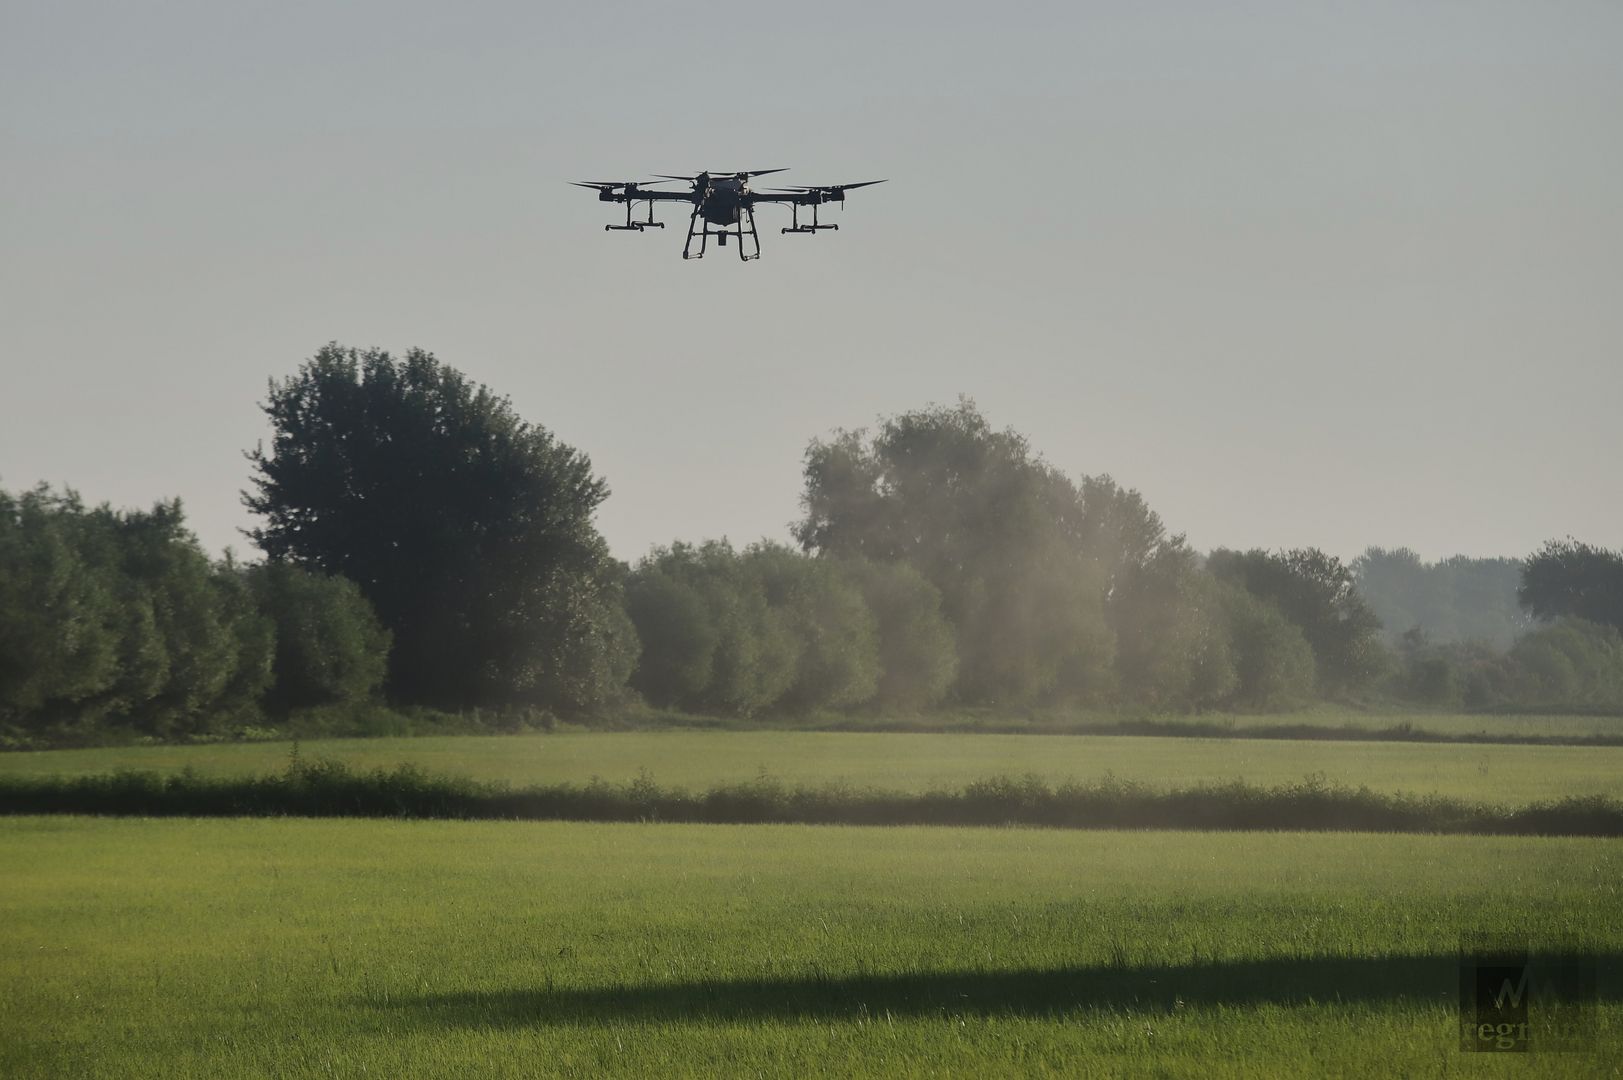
(723, 206)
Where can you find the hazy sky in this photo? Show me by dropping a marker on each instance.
(1303, 274)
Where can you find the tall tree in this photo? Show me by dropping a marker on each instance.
(1573, 579)
(999, 532)
(469, 530)
(1317, 593)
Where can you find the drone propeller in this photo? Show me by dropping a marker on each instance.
(741, 175)
(610, 185)
(830, 187)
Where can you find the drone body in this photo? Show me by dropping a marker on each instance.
(723, 206)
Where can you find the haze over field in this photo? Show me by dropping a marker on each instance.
(1303, 278)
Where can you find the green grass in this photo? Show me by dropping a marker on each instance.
(907, 762)
(248, 948)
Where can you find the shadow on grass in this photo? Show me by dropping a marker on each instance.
(1045, 992)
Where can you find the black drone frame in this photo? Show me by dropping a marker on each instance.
(636, 226)
(728, 197)
(698, 226)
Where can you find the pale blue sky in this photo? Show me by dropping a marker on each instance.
(1303, 274)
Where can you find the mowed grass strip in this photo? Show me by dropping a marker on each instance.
(247, 948)
(904, 762)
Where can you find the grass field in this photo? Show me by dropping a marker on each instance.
(249, 948)
(910, 762)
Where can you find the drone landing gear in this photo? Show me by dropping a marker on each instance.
(697, 226)
(797, 227)
(636, 226)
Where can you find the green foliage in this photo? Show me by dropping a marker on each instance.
(917, 650)
(1273, 662)
(1426, 673)
(1120, 533)
(469, 530)
(1453, 601)
(1571, 663)
(1175, 646)
(1568, 579)
(192, 617)
(836, 636)
(115, 624)
(326, 788)
(738, 633)
(59, 617)
(255, 635)
(998, 532)
(118, 618)
(329, 646)
(1450, 675)
(1317, 594)
(678, 633)
(742, 648)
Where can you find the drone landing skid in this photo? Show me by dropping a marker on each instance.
(797, 227)
(697, 226)
(636, 226)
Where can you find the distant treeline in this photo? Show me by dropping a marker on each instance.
(332, 789)
(1452, 601)
(423, 543)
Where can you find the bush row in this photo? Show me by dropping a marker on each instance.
(1569, 665)
(331, 789)
(118, 620)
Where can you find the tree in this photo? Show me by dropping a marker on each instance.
(1571, 663)
(193, 619)
(1566, 578)
(1172, 637)
(714, 643)
(255, 635)
(118, 617)
(468, 530)
(1120, 533)
(836, 636)
(330, 648)
(996, 530)
(918, 657)
(1456, 600)
(678, 633)
(1316, 593)
(1273, 662)
(59, 620)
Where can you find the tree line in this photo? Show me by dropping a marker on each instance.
(119, 619)
(423, 542)
(1453, 600)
